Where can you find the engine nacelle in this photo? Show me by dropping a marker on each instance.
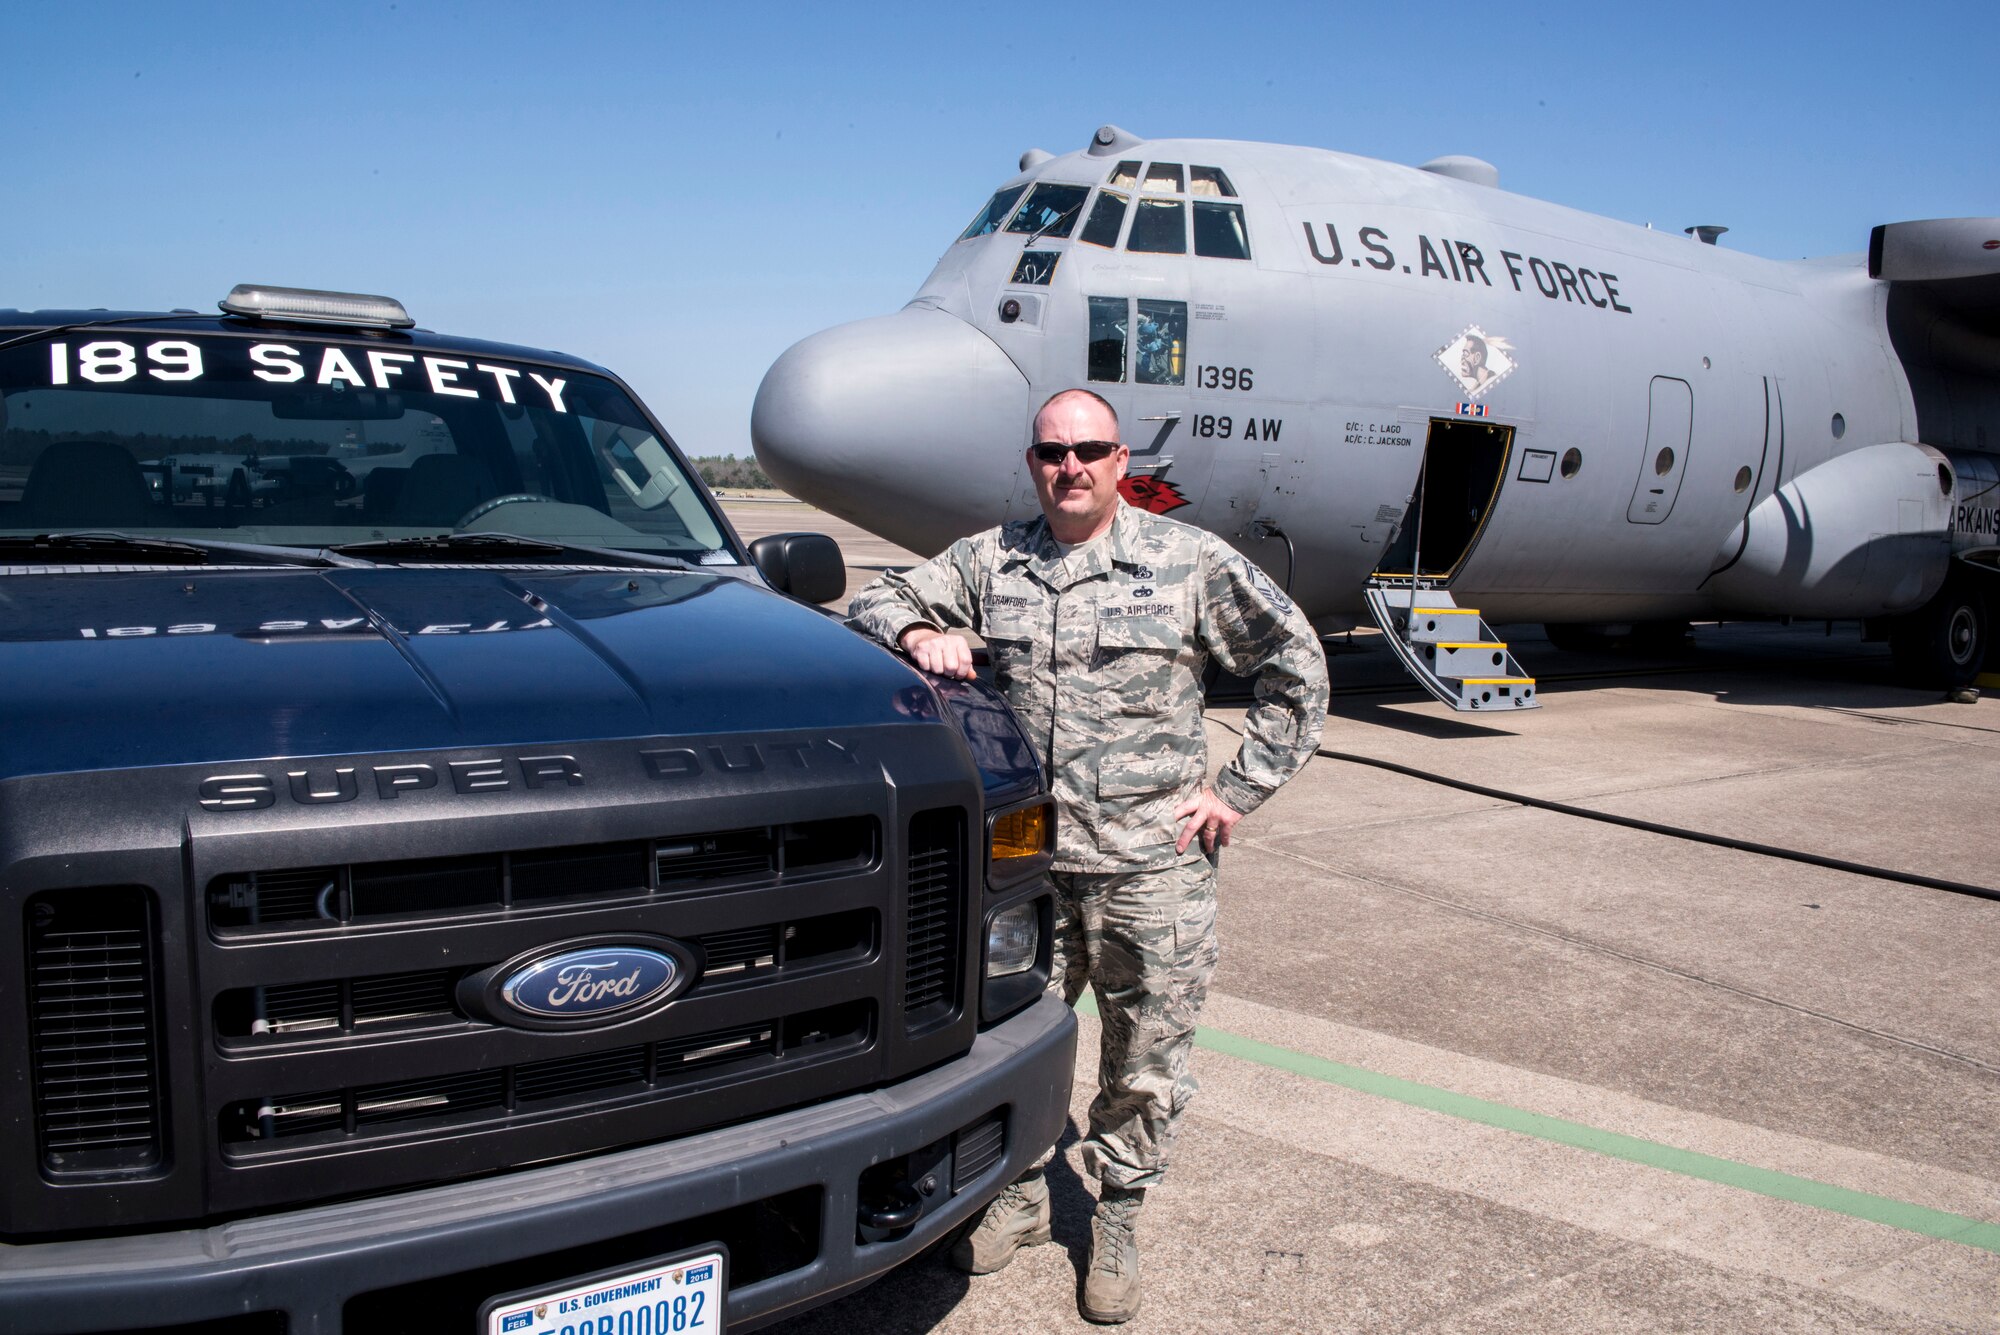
(1868, 533)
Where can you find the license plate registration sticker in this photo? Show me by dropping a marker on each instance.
(683, 1293)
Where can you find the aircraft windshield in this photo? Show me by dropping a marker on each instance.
(291, 440)
(1106, 217)
(1051, 210)
(1160, 227)
(995, 213)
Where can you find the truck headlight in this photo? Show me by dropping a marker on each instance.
(1013, 940)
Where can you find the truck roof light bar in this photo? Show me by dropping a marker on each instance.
(260, 301)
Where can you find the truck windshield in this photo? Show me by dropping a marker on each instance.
(295, 440)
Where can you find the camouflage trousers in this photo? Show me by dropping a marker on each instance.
(1145, 943)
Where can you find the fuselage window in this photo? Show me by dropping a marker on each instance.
(1124, 176)
(1210, 181)
(1160, 357)
(1051, 210)
(1164, 177)
(1107, 339)
(1218, 231)
(1159, 227)
(995, 213)
(1106, 217)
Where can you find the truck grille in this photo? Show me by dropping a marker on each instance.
(248, 1015)
(95, 1031)
(417, 887)
(936, 890)
(540, 1086)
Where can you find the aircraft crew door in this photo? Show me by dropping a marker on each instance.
(1464, 464)
(1663, 463)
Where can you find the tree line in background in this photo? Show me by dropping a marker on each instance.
(724, 470)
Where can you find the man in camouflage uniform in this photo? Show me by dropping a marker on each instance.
(1099, 619)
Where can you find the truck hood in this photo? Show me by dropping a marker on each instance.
(119, 670)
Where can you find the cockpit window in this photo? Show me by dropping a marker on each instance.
(1210, 181)
(1124, 176)
(1164, 177)
(1108, 318)
(1158, 347)
(995, 213)
(1051, 210)
(1036, 267)
(1161, 353)
(1218, 231)
(1159, 227)
(1106, 217)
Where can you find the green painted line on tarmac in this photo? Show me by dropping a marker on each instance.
(1651, 1153)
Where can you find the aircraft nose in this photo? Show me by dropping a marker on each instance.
(911, 425)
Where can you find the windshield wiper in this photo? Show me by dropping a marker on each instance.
(68, 548)
(459, 546)
(490, 546)
(99, 545)
(1065, 215)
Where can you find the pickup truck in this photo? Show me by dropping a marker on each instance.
(483, 897)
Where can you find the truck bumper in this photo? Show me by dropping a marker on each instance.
(429, 1249)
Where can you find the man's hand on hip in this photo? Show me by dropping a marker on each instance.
(1208, 816)
(935, 651)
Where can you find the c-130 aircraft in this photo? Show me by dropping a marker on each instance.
(1406, 392)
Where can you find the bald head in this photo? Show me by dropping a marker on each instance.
(1079, 496)
(1073, 397)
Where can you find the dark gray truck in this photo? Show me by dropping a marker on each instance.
(444, 885)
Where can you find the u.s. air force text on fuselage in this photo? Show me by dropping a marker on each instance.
(1464, 262)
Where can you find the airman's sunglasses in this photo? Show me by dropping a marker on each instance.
(1087, 451)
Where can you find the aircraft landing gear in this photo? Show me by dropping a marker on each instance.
(1943, 644)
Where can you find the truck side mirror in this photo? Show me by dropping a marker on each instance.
(807, 566)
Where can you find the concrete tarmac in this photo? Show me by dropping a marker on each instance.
(1475, 1065)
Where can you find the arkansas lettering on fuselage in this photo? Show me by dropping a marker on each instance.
(1353, 370)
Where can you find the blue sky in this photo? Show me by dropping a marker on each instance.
(681, 192)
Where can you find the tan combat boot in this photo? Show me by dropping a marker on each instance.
(1018, 1217)
(1111, 1289)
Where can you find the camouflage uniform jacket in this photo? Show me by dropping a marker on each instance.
(1102, 653)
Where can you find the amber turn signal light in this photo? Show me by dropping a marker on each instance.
(1023, 833)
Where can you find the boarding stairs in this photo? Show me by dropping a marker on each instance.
(1448, 648)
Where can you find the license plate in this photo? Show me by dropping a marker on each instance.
(675, 1294)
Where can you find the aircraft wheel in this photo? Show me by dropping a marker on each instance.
(1942, 645)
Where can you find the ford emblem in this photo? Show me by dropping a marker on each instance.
(595, 983)
(580, 983)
